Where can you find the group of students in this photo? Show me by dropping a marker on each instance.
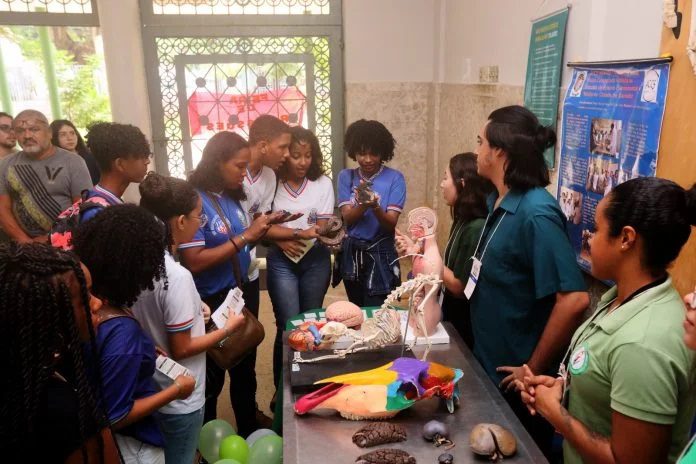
(84, 328)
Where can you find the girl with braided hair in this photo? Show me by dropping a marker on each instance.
(51, 403)
(123, 248)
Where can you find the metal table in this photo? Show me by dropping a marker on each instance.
(325, 437)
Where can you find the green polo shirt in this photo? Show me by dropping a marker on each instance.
(528, 259)
(634, 361)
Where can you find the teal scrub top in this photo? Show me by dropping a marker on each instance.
(526, 259)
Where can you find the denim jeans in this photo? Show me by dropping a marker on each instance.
(181, 432)
(295, 288)
(137, 452)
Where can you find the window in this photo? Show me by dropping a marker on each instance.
(202, 79)
(48, 6)
(241, 7)
(55, 65)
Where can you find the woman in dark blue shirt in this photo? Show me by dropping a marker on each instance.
(218, 257)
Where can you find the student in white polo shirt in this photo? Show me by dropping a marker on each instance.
(299, 267)
(171, 313)
(269, 140)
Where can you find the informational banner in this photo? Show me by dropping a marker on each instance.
(544, 63)
(612, 118)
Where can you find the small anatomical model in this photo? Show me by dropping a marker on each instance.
(346, 313)
(386, 456)
(493, 441)
(379, 433)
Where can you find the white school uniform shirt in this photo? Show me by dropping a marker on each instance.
(162, 311)
(259, 190)
(314, 198)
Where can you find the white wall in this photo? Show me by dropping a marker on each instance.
(390, 40)
(496, 32)
(125, 63)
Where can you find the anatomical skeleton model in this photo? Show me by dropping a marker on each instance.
(384, 328)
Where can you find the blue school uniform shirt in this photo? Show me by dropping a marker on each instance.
(214, 234)
(99, 191)
(388, 183)
(127, 361)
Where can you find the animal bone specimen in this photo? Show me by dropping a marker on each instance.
(382, 392)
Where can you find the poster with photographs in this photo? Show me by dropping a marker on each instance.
(610, 133)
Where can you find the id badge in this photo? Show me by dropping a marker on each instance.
(473, 278)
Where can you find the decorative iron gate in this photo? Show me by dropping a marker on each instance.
(217, 64)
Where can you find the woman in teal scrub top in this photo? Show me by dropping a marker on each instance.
(627, 387)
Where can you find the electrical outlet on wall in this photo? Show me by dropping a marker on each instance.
(488, 74)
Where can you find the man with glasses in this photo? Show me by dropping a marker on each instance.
(39, 182)
(123, 155)
(8, 141)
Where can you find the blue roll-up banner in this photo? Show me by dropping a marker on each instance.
(612, 117)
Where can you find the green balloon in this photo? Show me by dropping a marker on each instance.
(234, 447)
(211, 436)
(267, 450)
(227, 461)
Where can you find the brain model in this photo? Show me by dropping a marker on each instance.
(346, 313)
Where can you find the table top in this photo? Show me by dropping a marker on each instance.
(326, 437)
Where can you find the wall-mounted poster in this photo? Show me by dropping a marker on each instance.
(542, 85)
(610, 133)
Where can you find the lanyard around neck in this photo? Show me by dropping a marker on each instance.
(483, 232)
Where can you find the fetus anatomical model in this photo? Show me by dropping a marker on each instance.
(421, 246)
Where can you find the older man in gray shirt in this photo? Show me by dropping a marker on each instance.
(39, 182)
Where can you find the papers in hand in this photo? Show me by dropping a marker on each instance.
(306, 246)
(234, 302)
(170, 368)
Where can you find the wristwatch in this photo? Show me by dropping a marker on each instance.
(296, 233)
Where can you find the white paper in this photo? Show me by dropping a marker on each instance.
(233, 301)
(170, 368)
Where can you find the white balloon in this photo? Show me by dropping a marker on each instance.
(251, 439)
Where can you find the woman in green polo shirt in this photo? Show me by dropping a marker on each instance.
(626, 389)
(464, 191)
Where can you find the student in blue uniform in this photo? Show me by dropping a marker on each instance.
(368, 261)
(219, 257)
(123, 155)
(123, 264)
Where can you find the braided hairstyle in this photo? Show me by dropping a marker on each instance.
(38, 329)
(123, 247)
(167, 197)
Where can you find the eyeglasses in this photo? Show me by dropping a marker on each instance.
(6, 128)
(203, 219)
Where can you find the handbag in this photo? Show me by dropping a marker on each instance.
(230, 351)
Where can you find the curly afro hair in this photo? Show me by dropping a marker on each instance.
(123, 247)
(110, 140)
(364, 136)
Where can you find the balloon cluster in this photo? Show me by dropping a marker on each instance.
(220, 444)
